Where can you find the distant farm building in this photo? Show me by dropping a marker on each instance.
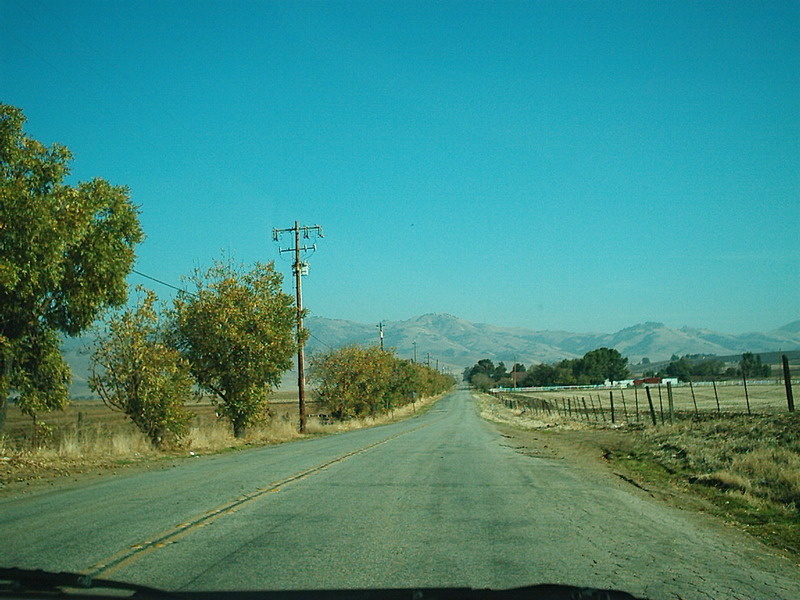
(655, 381)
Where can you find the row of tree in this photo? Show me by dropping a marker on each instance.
(65, 253)
(232, 337)
(357, 381)
(595, 367)
(686, 368)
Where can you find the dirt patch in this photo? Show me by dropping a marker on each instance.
(28, 474)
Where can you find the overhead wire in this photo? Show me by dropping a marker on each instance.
(169, 285)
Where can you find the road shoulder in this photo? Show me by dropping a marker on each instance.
(603, 454)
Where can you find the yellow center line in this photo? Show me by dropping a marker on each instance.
(132, 553)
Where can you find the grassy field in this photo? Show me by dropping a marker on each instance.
(93, 414)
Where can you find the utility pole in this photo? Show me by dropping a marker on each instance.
(380, 326)
(299, 268)
(415, 351)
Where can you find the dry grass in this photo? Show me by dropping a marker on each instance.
(90, 438)
(757, 455)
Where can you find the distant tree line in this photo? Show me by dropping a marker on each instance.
(360, 381)
(688, 368)
(595, 367)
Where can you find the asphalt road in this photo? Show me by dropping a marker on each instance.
(438, 500)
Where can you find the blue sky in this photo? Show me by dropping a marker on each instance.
(553, 165)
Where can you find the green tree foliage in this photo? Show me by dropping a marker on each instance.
(604, 364)
(681, 368)
(500, 371)
(134, 371)
(593, 368)
(484, 366)
(357, 381)
(541, 375)
(708, 369)
(482, 382)
(691, 367)
(64, 254)
(236, 330)
(751, 366)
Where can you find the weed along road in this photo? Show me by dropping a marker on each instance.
(437, 500)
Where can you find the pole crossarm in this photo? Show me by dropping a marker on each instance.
(297, 269)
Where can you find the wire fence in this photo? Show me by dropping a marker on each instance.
(659, 403)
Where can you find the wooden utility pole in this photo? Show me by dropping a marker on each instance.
(299, 268)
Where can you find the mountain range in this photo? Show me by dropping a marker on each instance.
(453, 343)
(458, 343)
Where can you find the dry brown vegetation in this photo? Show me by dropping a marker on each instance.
(88, 438)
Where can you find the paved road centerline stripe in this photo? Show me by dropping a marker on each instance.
(130, 554)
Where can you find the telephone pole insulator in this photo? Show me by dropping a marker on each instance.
(299, 268)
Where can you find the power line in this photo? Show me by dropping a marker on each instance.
(320, 341)
(169, 285)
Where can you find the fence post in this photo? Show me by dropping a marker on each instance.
(624, 407)
(787, 381)
(594, 410)
(670, 403)
(636, 403)
(650, 402)
(746, 395)
(694, 400)
(611, 400)
(586, 410)
(716, 396)
(660, 404)
(600, 404)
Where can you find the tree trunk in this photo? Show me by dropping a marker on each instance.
(5, 388)
(238, 429)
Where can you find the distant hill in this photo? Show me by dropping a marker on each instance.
(456, 343)
(77, 352)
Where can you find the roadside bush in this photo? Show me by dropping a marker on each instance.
(236, 330)
(135, 372)
(358, 381)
